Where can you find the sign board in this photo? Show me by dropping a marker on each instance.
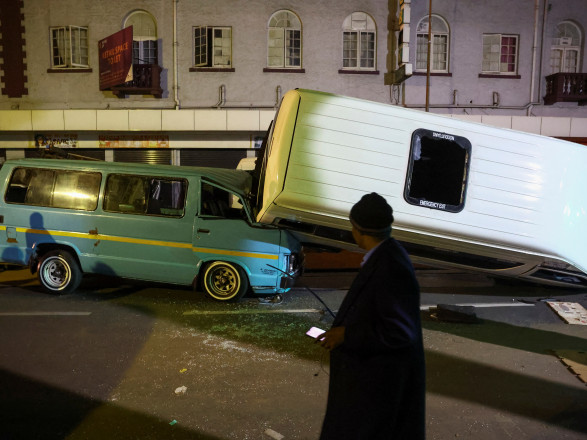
(60, 140)
(133, 141)
(115, 54)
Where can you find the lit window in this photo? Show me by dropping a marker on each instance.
(284, 41)
(359, 42)
(69, 47)
(500, 54)
(566, 48)
(212, 46)
(439, 50)
(144, 37)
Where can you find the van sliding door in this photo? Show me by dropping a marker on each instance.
(146, 231)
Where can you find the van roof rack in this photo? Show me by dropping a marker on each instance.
(59, 153)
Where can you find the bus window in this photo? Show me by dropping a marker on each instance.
(145, 195)
(54, 188)
(438, 171)
(217, 202)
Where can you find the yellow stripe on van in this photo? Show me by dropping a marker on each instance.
(173, 244)
(236, 253)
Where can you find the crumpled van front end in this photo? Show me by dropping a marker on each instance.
(269, 256)
(293, 259)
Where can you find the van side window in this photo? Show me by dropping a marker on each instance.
(438, 170)
(217, 202)
(145, 195)
(54, 188)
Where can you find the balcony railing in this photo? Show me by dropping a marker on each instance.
(146, 81)
(566, 87)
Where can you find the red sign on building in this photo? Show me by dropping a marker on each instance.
(115, 54)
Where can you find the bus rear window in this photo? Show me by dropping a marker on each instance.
(438, 170)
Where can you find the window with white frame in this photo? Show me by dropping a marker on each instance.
(284, 41)
(212, 46)
(359, 47)
(69, 47)
(439, 48)
(566, 48)
(144, 37)
(500, 54)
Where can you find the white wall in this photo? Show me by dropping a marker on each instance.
(322, 20)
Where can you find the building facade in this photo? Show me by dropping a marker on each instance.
(208, 75)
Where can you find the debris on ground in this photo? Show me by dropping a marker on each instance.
(454, 313)
(571, 313)
(181, 390)
(273, 434)
(273, 299)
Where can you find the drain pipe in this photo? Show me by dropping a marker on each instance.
(175, 60)
(221, 96)
(534, 49)
(465, 106)
(544, 13)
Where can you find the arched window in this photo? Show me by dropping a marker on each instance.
(144, 37)
(439, 50)
(359, 42)
(566, 48)
(284, 41)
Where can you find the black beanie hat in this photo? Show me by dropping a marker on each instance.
(372, 214)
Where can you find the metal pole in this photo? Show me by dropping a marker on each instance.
(428, 58)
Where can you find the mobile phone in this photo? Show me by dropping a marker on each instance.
(314, 332)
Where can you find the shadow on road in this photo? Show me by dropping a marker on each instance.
(34, 410)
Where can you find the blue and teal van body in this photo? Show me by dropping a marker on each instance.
(66, 218)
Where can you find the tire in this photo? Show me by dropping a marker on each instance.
(225, 281)
(59, 272)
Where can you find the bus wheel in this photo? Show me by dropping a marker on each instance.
(225, 281)
(59, 272)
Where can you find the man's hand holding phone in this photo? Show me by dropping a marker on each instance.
(330, 339)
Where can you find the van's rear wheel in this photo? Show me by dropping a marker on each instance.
(59, 272)
(225, 281)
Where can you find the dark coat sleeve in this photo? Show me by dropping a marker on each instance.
(383, 307)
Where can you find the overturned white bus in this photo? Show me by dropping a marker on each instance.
(464, 194)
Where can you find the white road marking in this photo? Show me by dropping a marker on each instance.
(277, 311)
(480, 305)
(249, 311)
(45, 314)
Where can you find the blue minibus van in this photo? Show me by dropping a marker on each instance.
(162, 223)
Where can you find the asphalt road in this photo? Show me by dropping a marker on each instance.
(123, 360)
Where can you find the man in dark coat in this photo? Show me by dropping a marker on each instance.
(377, 377)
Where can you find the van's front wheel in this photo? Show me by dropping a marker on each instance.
(59, 272)
(225, 281)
